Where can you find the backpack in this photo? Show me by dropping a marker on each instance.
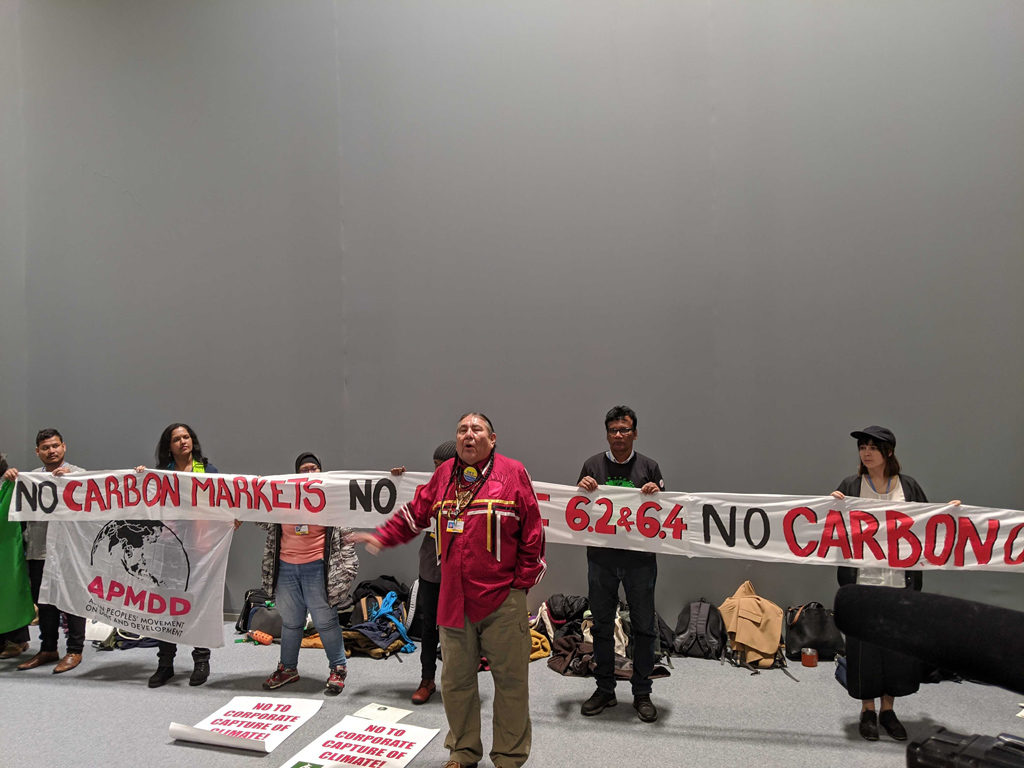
(122, 640)
(700, 631)
(381, 586)
(664, 641)
(754, 625)
(415, 617)
(364, 609)
(254, 598)
(266, 618)
(620, 641)
(662, 635)
(383, 634)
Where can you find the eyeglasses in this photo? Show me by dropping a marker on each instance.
(619, 430)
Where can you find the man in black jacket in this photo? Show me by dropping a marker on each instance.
(608, 567)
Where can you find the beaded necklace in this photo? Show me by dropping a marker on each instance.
(466, 490)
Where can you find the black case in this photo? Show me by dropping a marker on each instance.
(945, 749)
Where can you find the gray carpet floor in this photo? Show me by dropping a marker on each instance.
(102, 714)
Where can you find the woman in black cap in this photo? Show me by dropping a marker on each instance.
(872, 671)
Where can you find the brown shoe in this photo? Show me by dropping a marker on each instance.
(13, 650)
(424, 692)
(43, 657)
(70, 661)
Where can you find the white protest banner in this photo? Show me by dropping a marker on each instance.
(255, 723)
(772, 528)
(367, 743)
(817, 530)
(856, 532)
(162, 579)
(353, 499)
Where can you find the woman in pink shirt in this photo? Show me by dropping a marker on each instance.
(308, 568)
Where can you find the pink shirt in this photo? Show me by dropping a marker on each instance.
(302, 543)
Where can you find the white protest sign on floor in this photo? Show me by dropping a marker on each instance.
(382, 713)
(255, 723)
(366, 743)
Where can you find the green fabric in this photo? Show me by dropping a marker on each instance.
(16, 608)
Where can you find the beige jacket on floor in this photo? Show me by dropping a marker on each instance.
(753, 623)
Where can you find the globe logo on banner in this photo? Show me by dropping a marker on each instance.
(147, 550)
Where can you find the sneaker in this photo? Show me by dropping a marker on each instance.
(424, 692)
(868, 725)
(888, 720)
(645, 708)
(336, 682)
(280, 677)
(598, 703)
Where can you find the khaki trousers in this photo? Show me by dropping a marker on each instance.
(504, 638)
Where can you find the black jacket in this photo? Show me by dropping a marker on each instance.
(911, 492)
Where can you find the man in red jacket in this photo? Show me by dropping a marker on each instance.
(490, 544)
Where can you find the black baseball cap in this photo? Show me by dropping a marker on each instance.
(876, 433)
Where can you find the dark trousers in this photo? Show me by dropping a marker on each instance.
(638, 582)
(165, 653)
(873, 671)
(18, 636)
(427, 596)
(49, 616)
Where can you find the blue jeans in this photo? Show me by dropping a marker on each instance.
(638, 582)
(300, 588)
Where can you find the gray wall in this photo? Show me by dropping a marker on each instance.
(337, 226)
(13, 348)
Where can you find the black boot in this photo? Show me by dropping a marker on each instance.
(200, 673)
(161, 676)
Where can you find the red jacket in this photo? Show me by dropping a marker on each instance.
(500, 548)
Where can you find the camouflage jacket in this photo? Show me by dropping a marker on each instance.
(341, 563)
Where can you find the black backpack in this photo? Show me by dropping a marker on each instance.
(254, 598)
(700, 631)
(664, 644)
(381, 586)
